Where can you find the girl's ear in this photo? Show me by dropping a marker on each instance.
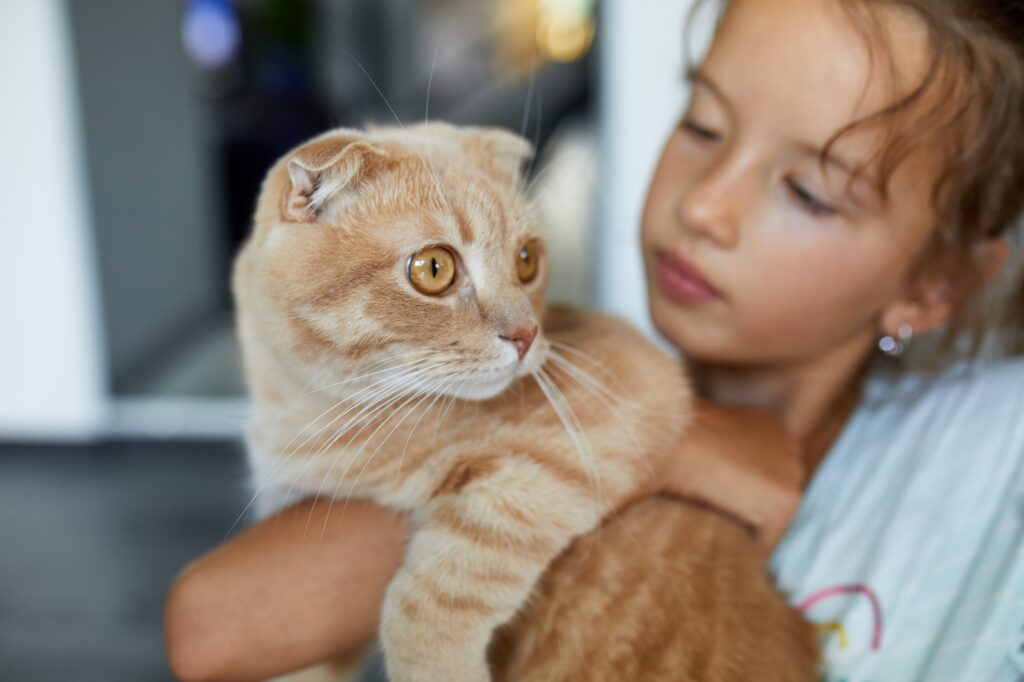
(936, 298)
(326, 168)
(990, 256)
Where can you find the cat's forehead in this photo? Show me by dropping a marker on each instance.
(463, 202)
(471, 216)
(449, 187)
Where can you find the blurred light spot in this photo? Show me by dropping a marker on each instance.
(565, 37)
(210, 33)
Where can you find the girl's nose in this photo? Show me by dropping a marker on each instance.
(711, 207)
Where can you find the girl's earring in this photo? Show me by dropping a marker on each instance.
(895, 347)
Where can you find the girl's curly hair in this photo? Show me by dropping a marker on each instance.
(970, 107)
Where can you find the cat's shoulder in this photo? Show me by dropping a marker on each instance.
(564, 321)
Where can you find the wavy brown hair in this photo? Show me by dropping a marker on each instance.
(969, 105)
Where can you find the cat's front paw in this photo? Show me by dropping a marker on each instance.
(401, 669)
(420, 645)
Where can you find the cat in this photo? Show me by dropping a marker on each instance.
(390, 307)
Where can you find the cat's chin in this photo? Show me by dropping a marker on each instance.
(494, 384)
(484, 390)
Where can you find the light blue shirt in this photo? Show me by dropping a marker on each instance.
(908, 548)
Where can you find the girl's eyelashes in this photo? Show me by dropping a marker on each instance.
(699, 131)
(808, 201)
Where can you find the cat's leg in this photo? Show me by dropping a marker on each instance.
(489, 532)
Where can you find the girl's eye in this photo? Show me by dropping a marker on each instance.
(810, 202)
(702, 133)
(528, 260)
(432, 270)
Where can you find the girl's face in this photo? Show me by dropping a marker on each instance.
(754, 252)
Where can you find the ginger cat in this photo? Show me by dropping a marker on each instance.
(390, 301)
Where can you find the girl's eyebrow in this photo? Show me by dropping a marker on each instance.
(829, 158)
(694, 76)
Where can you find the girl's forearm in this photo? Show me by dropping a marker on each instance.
(740, 461)
(297, 589)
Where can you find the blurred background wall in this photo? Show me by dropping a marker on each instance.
(134, 135)
(152, 179)
(140, 132)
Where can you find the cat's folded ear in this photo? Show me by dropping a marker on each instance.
(506, 151)
(326, 168)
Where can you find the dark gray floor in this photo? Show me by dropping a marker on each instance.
(90, 538)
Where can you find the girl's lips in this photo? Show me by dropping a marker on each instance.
(682, 281)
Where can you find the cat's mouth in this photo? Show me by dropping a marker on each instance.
(490, 384)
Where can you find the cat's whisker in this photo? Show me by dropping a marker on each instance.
(356, 398)
(374, 84)
(534, 199)
(366, 416)
(612, 379)
(358, 377)
(520, 180)
(401, 457)
(430, 392)
(369, 410)
(430, 80)
(359, 401)
(557, 401)
(305, 315)
(376, 450)
(607, 399)
(535, 141)
(452, 399)
(528, 103)
(613, 403)
(367, 406)
(578, 352)
(287, 454)
(443, 384)
(413, 370)
(373, 413)
(586, 377)
(398, 120)
(566, 366)
(546, 170)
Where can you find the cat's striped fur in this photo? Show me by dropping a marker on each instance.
(363, 386)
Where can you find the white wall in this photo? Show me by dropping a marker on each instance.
(642, 95)
(52, 374)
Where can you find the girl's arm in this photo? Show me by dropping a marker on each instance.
(742, 462)
(298, 588)
(307, 585)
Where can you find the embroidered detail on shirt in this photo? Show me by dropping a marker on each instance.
(857, 588)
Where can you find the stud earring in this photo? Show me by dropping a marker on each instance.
(894, 347)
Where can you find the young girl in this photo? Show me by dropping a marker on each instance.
(844, 179)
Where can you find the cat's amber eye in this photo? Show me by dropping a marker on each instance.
(528, 260)
(432, 270)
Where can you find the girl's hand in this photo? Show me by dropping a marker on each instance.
(741, 462)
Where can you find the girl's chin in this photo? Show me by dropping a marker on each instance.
(680, 327)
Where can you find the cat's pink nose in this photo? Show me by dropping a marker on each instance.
(522, 336)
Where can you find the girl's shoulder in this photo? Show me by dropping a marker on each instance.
(908, 543)
(983, 399)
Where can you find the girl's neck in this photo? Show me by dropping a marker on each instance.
(813, 397)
